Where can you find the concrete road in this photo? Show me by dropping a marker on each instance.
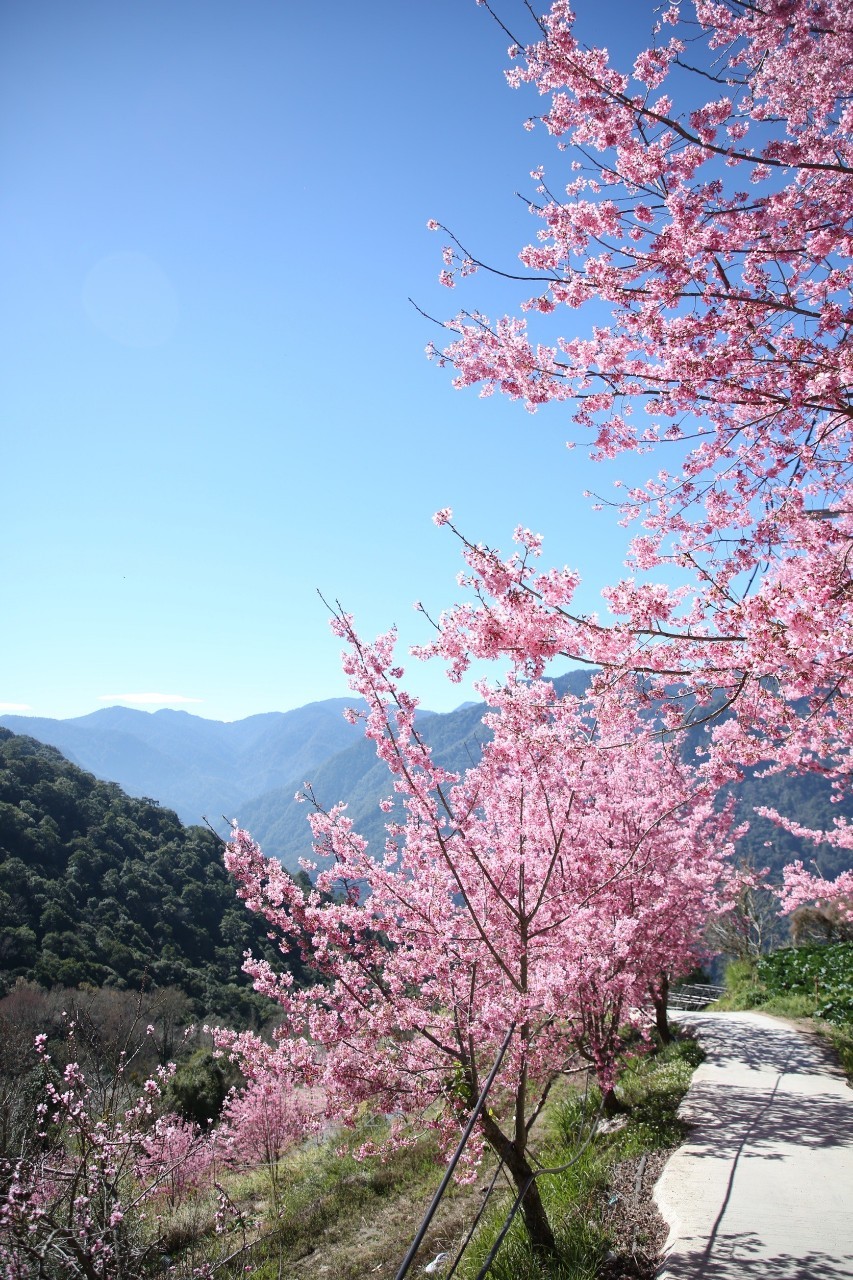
(764, 1185)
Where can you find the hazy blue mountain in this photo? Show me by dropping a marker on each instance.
(280, 823)
(195, 766)
(251, 770)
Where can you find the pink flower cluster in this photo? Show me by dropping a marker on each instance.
(716, 229)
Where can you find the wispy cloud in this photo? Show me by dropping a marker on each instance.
(148, 699)
(15, 706)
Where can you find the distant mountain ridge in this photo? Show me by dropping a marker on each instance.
(251, 769)
(200, 768)
(279, 822)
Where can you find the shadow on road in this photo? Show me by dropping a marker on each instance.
(751, 1262)
(780, 1049)
(722, 1118)
(762, 1186)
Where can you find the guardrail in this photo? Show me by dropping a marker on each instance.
(694, 995)
(589, 1124)
(454, 1160)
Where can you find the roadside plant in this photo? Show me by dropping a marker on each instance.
(83, 1200)
(260, 1124)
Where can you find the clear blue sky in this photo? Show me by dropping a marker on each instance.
(214, 394)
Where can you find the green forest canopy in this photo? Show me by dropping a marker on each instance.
(98, 888)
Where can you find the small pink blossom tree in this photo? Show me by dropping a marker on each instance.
(176, 1159)
(543, 890)
(261, 1123)
(84, 1200)
(801, 888)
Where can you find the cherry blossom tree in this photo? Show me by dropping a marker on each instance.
(541, 892)
(704, 199)
(687, 297)
(77, 1202)
(261, 1123)
(176, 1159)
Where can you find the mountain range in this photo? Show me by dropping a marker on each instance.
(200, 768)
(250, 770)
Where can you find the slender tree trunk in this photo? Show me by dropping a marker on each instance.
(535, 1218)
(611, 1106)
(660, 999)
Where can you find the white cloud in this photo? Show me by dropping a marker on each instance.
(15, 706)
(160, 699)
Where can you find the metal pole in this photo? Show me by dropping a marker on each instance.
(448, 1174)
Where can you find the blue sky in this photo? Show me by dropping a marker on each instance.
(215, 396)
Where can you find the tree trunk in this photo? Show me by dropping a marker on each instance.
(660, 999)
(535, 1219)
(611, 1106)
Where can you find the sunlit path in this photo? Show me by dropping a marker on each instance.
(764, 1186)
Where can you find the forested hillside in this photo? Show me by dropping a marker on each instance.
(807, 799)
(99, 888)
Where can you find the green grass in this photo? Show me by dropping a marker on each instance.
(571, 1201)
(326, 1185)
(327, 1190)
(324, 1189)
(653, 1086)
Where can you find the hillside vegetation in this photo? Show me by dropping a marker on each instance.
(814, 982)
(102, 889)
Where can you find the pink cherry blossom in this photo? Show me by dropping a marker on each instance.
(550, 888)
(708, 206)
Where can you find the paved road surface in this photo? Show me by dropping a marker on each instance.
(764, 1185)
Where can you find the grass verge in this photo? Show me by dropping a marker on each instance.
(341, 1219)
